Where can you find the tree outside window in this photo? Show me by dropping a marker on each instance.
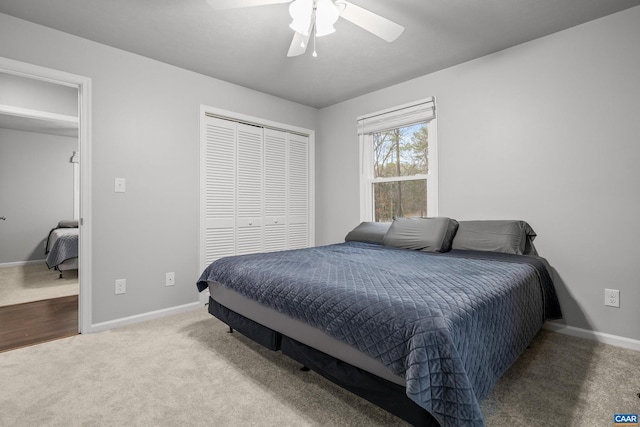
(400, 169)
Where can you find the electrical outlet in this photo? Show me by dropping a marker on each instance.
(170, 279)
(612, 297)
(121, 286)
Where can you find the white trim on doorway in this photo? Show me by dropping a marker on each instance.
(83, 84)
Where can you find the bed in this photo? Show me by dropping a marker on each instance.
(61, 247)
(421, 316)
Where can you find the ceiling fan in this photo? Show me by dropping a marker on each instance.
(316, 18)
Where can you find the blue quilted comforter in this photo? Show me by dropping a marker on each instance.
(64, 248)
(451, 323)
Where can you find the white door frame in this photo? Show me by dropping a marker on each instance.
(83, 84)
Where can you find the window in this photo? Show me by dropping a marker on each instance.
(398, 162)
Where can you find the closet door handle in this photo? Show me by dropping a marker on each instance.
(3, 218)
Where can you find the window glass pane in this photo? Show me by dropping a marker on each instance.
(401, 152)
(398, 199)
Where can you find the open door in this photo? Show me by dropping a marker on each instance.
(45, 129)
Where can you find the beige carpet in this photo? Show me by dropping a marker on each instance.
(186, 370)
(35, 282)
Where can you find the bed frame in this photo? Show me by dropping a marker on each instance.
(68, 264)
(386, 394)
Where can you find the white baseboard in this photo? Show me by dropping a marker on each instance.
(602, 337)
(19, 263)
(104, 326)
(616, 340)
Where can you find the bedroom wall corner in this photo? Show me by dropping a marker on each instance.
(546, 132)
(145, 128)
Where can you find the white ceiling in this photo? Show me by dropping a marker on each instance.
(249, 46)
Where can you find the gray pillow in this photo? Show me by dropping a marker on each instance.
(507, 236)
(424, 234)
(368, 232)
(69, 223)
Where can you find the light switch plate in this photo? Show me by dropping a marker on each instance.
(120, 185)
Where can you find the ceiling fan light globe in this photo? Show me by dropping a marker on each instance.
(301, 11)
(301, 27)
(326, 12)
(324, 29)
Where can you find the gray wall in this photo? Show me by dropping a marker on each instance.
(36, 191)
(145, 129)
(547, 132)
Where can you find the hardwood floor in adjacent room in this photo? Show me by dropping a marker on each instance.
(39, 321)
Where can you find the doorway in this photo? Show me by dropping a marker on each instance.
(31, 121)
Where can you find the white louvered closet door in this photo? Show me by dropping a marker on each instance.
(255, 190)
(275, 190)
(249, 173)
(298, 192)
(219, 192)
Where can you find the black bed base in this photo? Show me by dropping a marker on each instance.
(381, 392)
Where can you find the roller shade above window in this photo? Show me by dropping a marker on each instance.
(405, 115)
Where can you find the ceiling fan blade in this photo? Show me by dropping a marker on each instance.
(375, 24)
(237, 4)
(298, 45)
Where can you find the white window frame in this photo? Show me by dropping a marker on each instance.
(404, 115)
